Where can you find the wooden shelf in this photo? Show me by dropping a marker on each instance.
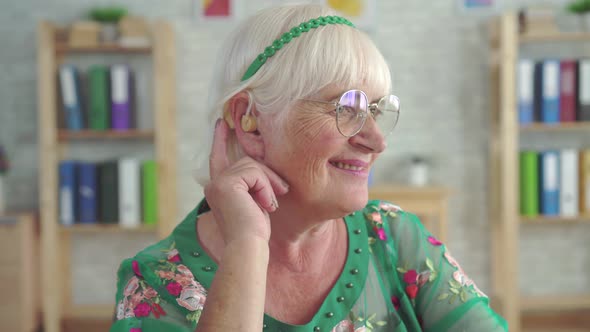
(554, 37)
(65, 135)
(62, 48)
(562, 127)
(554, 303)
(106, 228)
(555, 220)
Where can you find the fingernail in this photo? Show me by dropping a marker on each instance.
(217, 122)
(275, 203)
(285, 184)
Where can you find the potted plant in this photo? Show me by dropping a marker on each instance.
(108, 17)
(4, 166)
(581, 8)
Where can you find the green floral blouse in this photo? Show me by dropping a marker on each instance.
(397, 277)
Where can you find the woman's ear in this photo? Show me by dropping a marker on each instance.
(241, 111)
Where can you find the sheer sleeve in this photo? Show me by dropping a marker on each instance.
(443, 297)
(145, 304)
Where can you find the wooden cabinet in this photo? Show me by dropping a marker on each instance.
(19, 274)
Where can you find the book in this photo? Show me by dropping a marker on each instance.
(568, 185)
(67, 192)
(71, 100)
(529, 199)
(87, 199)
(121, 103)
(108, 192)
(549, 183)
(584, 90)
(525, 91)
(551, 84)
(538, 90)
(149, 192)
(568, 90)
(584, 181)
(98, 95)
(129, 193)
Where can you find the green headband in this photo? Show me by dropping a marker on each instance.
(286, 38)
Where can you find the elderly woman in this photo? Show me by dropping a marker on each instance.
(285, 239)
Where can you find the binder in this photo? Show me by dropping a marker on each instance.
(99, 98)
(67, 192)
(568, 91)
(538, 90)
(529, 199)
(551, 84)
(71, 101)
(568, 183)
(129, 193)
(121, 97)
(584, 90)
(87, 192)
(149, 192)
(108, 192)
(525, 91)
(584, 182)
(549, 183)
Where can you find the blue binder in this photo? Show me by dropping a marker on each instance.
(69, 80)
(87, 198)
(551, 90)
(549, 183)
(67, 192)
(526, 91)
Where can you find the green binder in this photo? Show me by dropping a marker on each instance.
(108, 192)
(99, 100)
(149, 192)
(529, 185)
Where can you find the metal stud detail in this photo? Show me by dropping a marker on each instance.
(354, 271)
(357, 231)
(349, 285)
(358, 250)
(340, 299)
(196, 254)
(207, 268)
(329, 315)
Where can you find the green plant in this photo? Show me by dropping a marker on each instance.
(108, 14)
(579, 6)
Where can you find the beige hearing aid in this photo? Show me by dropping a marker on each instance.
(248, 123)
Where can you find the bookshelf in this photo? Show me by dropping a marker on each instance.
(506, 222)
(53, 145)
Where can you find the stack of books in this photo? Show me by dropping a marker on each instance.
(122, 191)
(103, 98)
(553, 91)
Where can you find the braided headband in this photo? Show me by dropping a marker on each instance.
(286, 38)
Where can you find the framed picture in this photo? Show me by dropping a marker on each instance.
(215, 10)
(487, 7)
(363, 13)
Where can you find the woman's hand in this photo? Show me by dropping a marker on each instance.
(243, 194)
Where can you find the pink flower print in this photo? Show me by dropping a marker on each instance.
(423, 278)
(173, 256)
(460, 276)
(389, 207)
(142, 310)
(168, 275)
(135, 267)
(434, 241)
(376, 217)
(344, 326)
(184, 280)
(120, 310)
(412, 291)
(135, 299)
(410, 277)
(174, 288)
(191, 299)
(380, 233)
(132, 286)
(184, 270)
(150, 293)
(135, 329)
(395, 301)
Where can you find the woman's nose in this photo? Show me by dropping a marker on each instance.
(369, 137)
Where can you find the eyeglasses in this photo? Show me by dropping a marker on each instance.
(353, 108)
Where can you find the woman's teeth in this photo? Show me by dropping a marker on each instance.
(347, 166)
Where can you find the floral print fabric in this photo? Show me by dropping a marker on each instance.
(413, 284)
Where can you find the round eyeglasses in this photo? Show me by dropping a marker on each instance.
(353, 108)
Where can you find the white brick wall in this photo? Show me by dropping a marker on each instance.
(438, 56)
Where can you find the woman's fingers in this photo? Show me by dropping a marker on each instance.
(218, 158)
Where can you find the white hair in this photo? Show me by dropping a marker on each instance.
(334, 54)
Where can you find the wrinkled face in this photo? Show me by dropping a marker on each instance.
(324, 169)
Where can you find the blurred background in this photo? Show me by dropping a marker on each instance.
(103, 114)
